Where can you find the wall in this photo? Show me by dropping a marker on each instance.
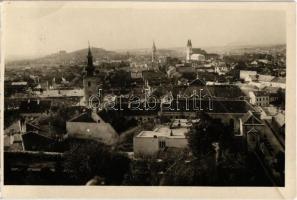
(150, 146)
(103, 132)
(145, 146)
(177, 142)
(90, 90)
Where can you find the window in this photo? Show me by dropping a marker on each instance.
(89, 83)
(162, 144)
(253, 139)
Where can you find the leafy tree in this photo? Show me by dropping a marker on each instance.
(282, 97)
(203, 134)
(84, 161)
(142, 172)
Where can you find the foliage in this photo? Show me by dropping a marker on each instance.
(84, 161)
(118, 121)
(207, 131)
(282, 97)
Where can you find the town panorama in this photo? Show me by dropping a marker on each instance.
(147, 117)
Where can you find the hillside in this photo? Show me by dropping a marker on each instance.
(64, 57)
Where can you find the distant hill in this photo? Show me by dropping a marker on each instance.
(79, 56)
(64, 57)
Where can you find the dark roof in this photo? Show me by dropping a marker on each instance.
(36, 142)
(198, 81)
(213, 106)
(198, 51)
(261, 93)
(227, 91)
(186, 69)
(150, 74)
(84, 117)
(34, 106)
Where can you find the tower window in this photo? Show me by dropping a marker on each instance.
(162, 144)
(89, 83)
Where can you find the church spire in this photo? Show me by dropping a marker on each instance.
(189, 43)
(188, 50)
(90, 67)
(154, 50)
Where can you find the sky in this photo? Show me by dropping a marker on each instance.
(33, 30)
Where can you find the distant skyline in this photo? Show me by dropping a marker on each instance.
(38, 30)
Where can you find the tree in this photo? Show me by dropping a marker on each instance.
(203, 134)
(89, 159)
(282, 97)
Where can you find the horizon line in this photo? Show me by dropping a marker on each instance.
(16, 57)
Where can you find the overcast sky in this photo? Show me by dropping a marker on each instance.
(39, 30)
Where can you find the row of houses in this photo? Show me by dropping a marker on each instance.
(261, 81)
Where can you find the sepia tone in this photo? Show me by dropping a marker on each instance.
(121, 95)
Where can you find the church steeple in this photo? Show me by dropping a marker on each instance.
(189, 44)
(188, 50)
(154, 50)
(90, 67)
(154, 57)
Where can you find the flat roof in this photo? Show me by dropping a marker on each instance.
(164, 131)
(182, 123)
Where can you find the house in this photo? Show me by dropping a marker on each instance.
(265, 78)
(278, 123)
(171, 70)
(197, 57)
(13, 142)
(250, 127)
(135, 74)
(245, 75)
(150, 143)
(89, 125)
(221, 68)
(34, 108)
(15, 87)
(259, 98)
(37, 141)
(262, 141)
(279, 82)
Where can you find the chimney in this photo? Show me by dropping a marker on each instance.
(22, 126)
(216, 147)
(11, 139)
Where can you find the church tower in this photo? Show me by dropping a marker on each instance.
(89, 80)
(154, 57)
(188, 50)
(90, 67)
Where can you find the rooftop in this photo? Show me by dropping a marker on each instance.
(182, 123)
(165, 131)
(62, 93)
(84, 117)
(280, 119)
(261, 93)
(279, 80)
(34, 106)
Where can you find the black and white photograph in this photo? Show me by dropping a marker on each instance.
(120, 94)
